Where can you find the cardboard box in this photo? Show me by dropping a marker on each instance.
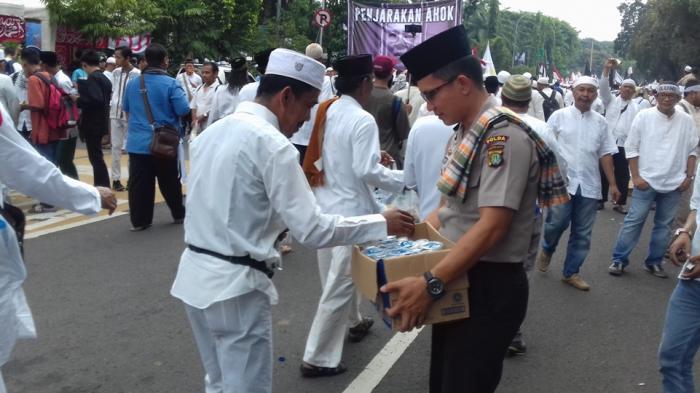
(369, 275)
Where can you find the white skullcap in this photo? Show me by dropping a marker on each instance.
(534, 83)
(629, 82)
(111, 60)
(688, 68)
(329, 69)
(503, 77)
(285, 62)
(586, 80)
(543, 80)
(527, 75)
(314, 51)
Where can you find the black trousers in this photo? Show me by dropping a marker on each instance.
(143, 171)
(93, 142)
(622, 176)
(65, 156)
(467, 355)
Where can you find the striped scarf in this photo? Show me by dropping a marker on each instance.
(455, 177)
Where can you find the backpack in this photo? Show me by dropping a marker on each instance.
(61, 111)
(550, 104)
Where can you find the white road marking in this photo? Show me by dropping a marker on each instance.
(34, 235)
(42, 220)
(377, 369)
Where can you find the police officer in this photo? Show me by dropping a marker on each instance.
(487, 209)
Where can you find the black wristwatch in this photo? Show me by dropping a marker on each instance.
(436, 288)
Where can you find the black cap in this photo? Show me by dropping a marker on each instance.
(239, 63)
(49, 58)
(261, 58)
(491, 82)
(437, 52)
(355, 65)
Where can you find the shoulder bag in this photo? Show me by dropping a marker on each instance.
(166, 138)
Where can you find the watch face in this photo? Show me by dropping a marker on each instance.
(435, 287)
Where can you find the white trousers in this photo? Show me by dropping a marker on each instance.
(339, 306)
(234, 338)
(118, 141)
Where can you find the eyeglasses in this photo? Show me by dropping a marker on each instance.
(430, 95)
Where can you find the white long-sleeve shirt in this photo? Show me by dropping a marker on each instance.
(535, 109)
(302, 136)
(120, 79)
(350, 159)
(583, 140)
(224, 103)
(545, 132)
(663, 145)
(425, 150)
(245, 187)
(618, 112)
(189, 83)
(26, 171)
(248, 92)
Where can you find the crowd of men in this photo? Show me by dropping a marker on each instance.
(502, 166)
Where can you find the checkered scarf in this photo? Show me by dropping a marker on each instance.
(455, 177)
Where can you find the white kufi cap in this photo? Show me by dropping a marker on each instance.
(630, 82)
(503, 77)
(688, 68)
(111, 60)
(527, 75)
(285, 62)
(586, 80)
(543, 80)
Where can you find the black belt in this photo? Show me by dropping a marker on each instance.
(245, 261)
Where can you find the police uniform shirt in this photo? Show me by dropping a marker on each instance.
(505, 173)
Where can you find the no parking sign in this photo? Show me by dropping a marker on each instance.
(322, 18)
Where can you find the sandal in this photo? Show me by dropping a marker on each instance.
(311, 371)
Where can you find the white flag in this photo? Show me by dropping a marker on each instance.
(490, 68)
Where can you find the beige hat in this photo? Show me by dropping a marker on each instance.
(517, 88)
(543, 80)
(285, 62)
(314, 51)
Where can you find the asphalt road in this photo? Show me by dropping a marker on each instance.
(106, 321)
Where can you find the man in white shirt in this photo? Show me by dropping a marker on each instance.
(189, 80)
(119, 122)
(245, 188)
(350, 157)
(550, 97)
(619, 112)
(249, 91)
(535, 108)
(301, 138)
(412, 99)
(110, 66)
(584, 143)
(35, 176)
(203, 96)
(661, 148)
(690, 105)
(8, 94)
(425, 151)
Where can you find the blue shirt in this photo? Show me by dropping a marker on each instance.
(167, 100)
(78, 74)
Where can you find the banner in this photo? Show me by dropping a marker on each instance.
(11, 29)
(489, 68)
(380, 29)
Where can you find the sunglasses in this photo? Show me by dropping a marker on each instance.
(430, 95)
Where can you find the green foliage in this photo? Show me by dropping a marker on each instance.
(671, 26)
(105, 18)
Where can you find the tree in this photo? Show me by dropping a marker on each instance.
(105, 18)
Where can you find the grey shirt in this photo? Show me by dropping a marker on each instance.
(505, 173)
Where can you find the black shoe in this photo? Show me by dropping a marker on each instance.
(311, 371)
(140, 228)
(656, 270)
(601, 205)
(359, 331)
(117, 186)
(517, 347)
(178, 221)
(616, 269)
